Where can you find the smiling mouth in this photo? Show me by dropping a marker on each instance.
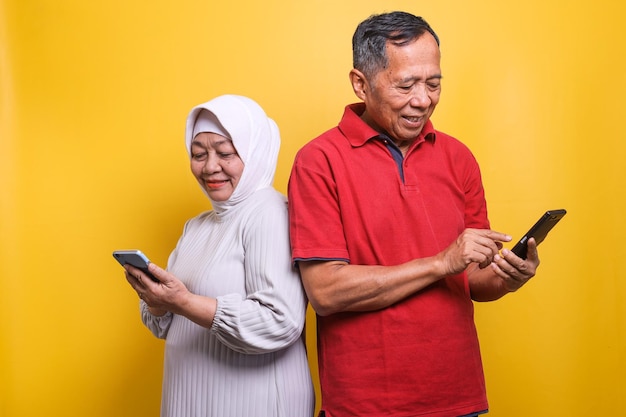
(215, 184)
(413, 119)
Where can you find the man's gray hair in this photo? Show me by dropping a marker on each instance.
(369, 41)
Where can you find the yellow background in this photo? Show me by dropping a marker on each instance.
(93, 98)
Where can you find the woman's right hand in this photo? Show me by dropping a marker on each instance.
(170, 294)
(161, 296)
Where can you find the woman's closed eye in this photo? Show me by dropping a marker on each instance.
(199, 156)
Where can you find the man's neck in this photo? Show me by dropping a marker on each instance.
(403, 145)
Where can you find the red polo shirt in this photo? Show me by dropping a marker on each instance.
(348, 201)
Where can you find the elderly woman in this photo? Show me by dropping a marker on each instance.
(230, 305)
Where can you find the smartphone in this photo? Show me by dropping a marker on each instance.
(135, 258)
(539, 231)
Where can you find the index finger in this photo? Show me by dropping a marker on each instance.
(139, 274)
(495, 235)
(132, 271)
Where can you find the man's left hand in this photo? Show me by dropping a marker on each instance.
(515, 271)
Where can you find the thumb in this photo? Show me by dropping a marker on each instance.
(158, 272)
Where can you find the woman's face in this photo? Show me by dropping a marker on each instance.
(216, 165)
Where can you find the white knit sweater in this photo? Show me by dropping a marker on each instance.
(252, 361)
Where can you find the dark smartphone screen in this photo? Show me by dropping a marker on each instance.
(135, 258)
(539, 231)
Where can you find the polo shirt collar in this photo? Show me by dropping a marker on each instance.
(357, 132)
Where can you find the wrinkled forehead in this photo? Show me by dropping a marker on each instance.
(210, 140)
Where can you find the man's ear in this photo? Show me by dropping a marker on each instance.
(359, 83)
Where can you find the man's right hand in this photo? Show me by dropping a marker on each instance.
(472, 246)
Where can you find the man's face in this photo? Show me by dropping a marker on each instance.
(401, 98)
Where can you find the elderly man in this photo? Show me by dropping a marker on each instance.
(389, 229)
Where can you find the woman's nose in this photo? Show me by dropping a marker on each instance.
(211, 165)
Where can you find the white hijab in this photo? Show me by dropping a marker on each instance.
(255, 137)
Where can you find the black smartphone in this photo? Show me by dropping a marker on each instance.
(135, 258)
(539, 231)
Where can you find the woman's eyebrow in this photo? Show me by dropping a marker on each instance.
(221, 142)
(216, 143)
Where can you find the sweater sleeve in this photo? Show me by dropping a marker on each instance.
(271, 315)
(158, 325)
